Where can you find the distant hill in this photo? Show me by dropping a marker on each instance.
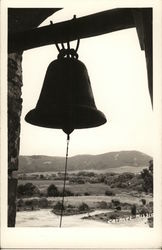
(41, 163)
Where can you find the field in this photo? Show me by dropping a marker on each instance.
(92, 189)
(96, 189)
(86, 191)
(119, 170)
(93, 200)
(96, 193)
(89, 183)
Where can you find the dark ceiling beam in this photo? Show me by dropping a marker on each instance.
(143, 20)
(148, 29)
(83, 27)
(138, 19)
(21, 19)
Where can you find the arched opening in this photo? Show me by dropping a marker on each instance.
(111, 93)
(118, 74)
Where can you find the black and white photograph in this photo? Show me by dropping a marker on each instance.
(81, 124)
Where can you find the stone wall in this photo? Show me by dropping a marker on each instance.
(19, 19)
(14, 113)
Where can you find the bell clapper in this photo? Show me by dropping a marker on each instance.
(65, 174)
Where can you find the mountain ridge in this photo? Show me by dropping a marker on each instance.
(44, 163)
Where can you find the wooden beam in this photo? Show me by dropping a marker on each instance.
(83, 27)
(21, 19)
(148, 39)
(138, 18)
(143, 20)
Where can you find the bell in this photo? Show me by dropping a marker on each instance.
(66, 101)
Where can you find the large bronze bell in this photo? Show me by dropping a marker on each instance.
(66, 101)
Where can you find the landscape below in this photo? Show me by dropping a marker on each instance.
(121, 182)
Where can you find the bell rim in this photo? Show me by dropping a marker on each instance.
(33, 117)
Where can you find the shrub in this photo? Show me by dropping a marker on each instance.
(29, 203)
(52, 191)
(126, 205)
(83, 207)
(122, 185)
(150, 221)
(35, 202)
(43, 202)
(109, 205)
(143, 201)
(109, 193)
(102, 205)
(139, 188)
(67, 193)
(32, 203)
(27, 190)
(58, 206)
(113, 216)
(125, 176)
(151, 204)
(20, 203)
(80, 181)
(85, 173)
(20, 190)
(42, 194)
(133, 209)
(86, 193)
(115, 202)
(70, 206)
(31, 189)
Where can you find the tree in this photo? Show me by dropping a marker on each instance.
(133, 210)
(20, 190)
(147, 176)
(143, 202)
(52, 191)
(29, 189)
(115, 202)
(151, 166)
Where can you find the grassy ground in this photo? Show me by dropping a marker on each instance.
(93, 200)
(92, 189)
(96, 189)
(118, 170)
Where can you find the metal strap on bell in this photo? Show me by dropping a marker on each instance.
(66, 101)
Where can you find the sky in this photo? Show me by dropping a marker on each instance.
(117, 70)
